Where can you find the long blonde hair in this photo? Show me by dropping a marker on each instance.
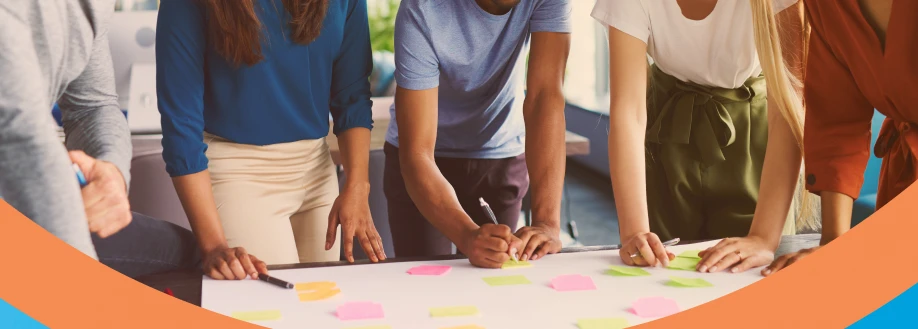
(784, 89)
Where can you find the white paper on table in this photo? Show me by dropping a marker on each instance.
(406, 299)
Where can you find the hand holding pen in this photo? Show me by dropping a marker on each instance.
(489, 245)
(490, 213)
(646, 249)
(104, 193)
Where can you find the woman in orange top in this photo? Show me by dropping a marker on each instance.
(862, 55)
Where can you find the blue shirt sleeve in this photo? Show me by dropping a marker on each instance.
(416, 63)
(551, 16)
(351, 106)
(180, 50)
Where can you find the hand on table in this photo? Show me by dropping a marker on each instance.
(787, 260)
(490, 245)
(105, 195)
(736, 254)
(232, 264)
(352, 210)
(649, 249)
(537, 241)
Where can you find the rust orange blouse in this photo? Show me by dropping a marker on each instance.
(848, 74)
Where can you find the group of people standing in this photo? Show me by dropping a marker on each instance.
(721, 113)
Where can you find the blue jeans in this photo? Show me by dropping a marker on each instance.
(148, 246)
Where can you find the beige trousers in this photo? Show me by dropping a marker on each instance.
(274, 200)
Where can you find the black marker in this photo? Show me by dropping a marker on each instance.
(275, 281)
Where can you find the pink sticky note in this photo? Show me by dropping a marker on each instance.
(654, 307)
(573, 282)
(430, 270)
(360, 311)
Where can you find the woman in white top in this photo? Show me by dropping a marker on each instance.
(687, 150)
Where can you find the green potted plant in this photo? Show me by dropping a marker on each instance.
(382, 15)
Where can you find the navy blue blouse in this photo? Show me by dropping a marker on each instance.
(284, 98)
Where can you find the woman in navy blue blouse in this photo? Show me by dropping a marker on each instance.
(245, 90)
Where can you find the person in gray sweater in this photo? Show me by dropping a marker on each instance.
(57, 51)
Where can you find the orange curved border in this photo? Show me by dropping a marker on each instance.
(832, 288)
(63, 288)
(859, 272)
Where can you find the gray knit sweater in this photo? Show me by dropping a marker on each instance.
(56, 51)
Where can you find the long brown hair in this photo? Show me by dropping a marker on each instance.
(235, 32)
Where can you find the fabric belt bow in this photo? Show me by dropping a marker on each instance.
(696, 114)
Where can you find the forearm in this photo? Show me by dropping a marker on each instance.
(434, 196)
(354, 144)
(836, 215)
(92, 119)
(196, 195)
(627, 171)
(103, 134)
(545, 155)
(780, 173)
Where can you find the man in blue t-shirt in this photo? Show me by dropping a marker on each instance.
(458, 130)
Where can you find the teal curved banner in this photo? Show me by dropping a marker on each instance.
(897, 313)
(11, 317)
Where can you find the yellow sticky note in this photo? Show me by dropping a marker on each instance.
(305, 286)
(318, 295)
(683, 263)
(257, 315)
(602, 323)
(439, 312)
(506, 280)
(626, 271)
(313, 291)
(687, 282)
(372, 327)
(690, 254)
(515, 264)
(468, 326)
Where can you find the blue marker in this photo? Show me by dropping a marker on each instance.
(80, 177)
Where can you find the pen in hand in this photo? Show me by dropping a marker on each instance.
(79, 175)
(669, 243)
(487, 210)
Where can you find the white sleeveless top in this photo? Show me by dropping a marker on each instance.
(717, 51)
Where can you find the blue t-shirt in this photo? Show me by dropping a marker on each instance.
(477, 60)
(284, 98)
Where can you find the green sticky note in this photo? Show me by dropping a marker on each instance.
(515, 264)
(683, 263)
(690, 254)
(258, 315)
(439, 312)
(602, 323)
(687, 282)
(506, 280)
(626, 271)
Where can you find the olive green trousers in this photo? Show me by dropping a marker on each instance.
(704, 151)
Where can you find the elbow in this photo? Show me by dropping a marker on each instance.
(411, 163)
(626, 117)
(545, 105)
